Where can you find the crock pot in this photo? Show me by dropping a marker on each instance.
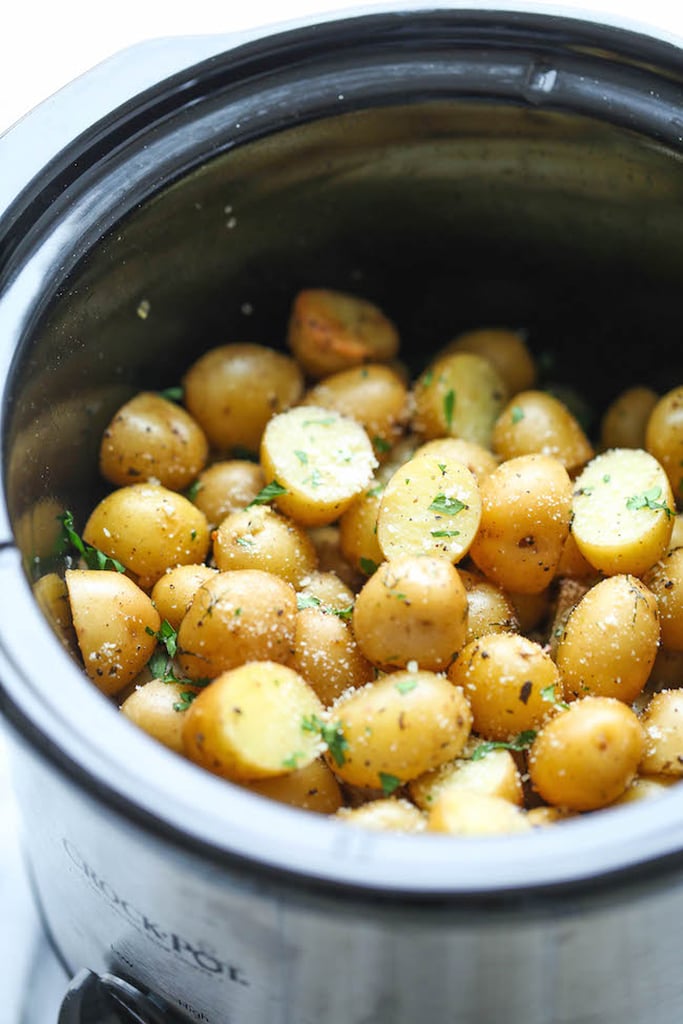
(460, 168)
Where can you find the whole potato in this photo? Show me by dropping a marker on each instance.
(260, 538)
(159, 709)
(535, 421)
(327, 654)
(662, 721)
(505, 349)
(173, 592)
(665, 581)
(226, 487)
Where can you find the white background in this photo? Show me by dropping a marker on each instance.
(44, 45)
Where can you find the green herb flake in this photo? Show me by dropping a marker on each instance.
(516, 414)
(606, 478)
(185, 699)
(193, 490)
(649, 499)
(389, 783)
(93, 557)
(292, 762)
(443, 467)
(268, 494)
(331, 733)
(173, 394)
(307, 601)
(445, 533)
(325, 421)
(343, 613)
(548, 694)
(427, 379)
(244, 542)
(301, 456)
(521, 742)
(368, 566)
(449, 408)
(375, 491)
(381, 445)
(405, 685)
(446, 505)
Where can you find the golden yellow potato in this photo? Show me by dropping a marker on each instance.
(312, 788)
(249, 723)
(479, 460)
(327, 656)
(159, 708)
(233, 390)
(459, 395)
(150, 438)
(625, 421)
(667, 671)
(531, 609)
(149, 529)
(622, 511)
(586, 757)
(259, 538)
(610, 640)
(542, 816)
(327, 590)
(116, 625)
(237, 616)
(358, 531)
(374, 395)
(489, 609)
(413, 609)
(464, 812)
(331, 331)
(537, 422)
(429, 507)
(510, 683)
(397, 728)
(326, 541)
(53, 598)
(388, 815)
(572, 563)
(496, 774)
(665, 581)
(526, 506)
(662, 721)
(645, 787)
(664, 437)
(505, 349)
(318, 461)
(227, 487)
(676, 539)
(173, 592)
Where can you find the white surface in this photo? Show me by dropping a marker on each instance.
(42, 47)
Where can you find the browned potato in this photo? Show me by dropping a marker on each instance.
(159, 709)
(464, 812)
(664, 437)
(610, 640)
(535, 421)
(312, 788)
(624, 423)
(505, 349)
(586, 757)
(249, 723)
(331, 331)
(526, 506)
(116, 625)
(414, 609)
(232, 391)
(662, 721)
(149, 529)
(665, 581)
(227, 487)
(388, 815)
(150, 438)
(237, 616)
(327, 656)
(459, 395)
(173, 592)
(397, 728)
(259, 538)
(510, 683)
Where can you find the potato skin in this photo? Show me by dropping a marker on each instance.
(327, 655)
(153, 707)
(665, 581)
(260, 538)
(625, 421)
(226, 487)
(312, 788)
(662, 721)
(463, 812)
(664, 436)
(505, 349)
(173, 592)
(535, 421)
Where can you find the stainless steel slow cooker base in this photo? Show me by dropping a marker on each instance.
(461, 169)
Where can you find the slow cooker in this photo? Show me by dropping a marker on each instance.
(458, 167)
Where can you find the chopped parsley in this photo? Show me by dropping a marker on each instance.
(521, 742)
(301, 456)
(446, 505)
(375, 491)
(166, 636)
(173, 394)
(332, 735)
(649, 499)
(193, 490)
(185, 699)
(307, 601)
(389, 783)
(427, 378)
(244, 542)
(548, 693)
(449, 408)
(293, 760)
(268, 494)
(516, 413)
(326, 421)
(381, 445)
(405, 685)
(93, 557)
(445, 533)
(368, 566)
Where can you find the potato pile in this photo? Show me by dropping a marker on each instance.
(428, 605)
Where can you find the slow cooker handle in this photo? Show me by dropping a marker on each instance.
(106, 999)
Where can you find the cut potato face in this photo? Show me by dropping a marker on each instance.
(663, 724)
(319, 460)
(496, 774)
(623, 511)
(390, 815)
(464, 812)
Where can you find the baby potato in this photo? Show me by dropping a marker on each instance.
(389, 815)
(542, 816)
(413, 609)
(662, 721)
(374, 395)
(237, 616)
(535, 421)
(665, 581)
(173, 592)
(489, 609)
(327, 655)
(397, 728)
(464, 812)
(480, 461)
(331, 331)
(586, 757)
(159, 709)
(572, 563)
(610, 640)
(645, 787)
(259, 538)
(510, 683)
(664, 437)
(319, 461)
(496, 774)
(326, 541)
(622, 511)
(249, 723)
(149, 529)
(312, 788)
(459, 395)
(526, 506)
(227, 487)
(624, 423)
(326, 589)
(233, 390)
(505, 349)
(358, 531)
(53, 598)
(676, 540)
(150, 438)
(429, 508)
(116, 625)
(531, 610)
